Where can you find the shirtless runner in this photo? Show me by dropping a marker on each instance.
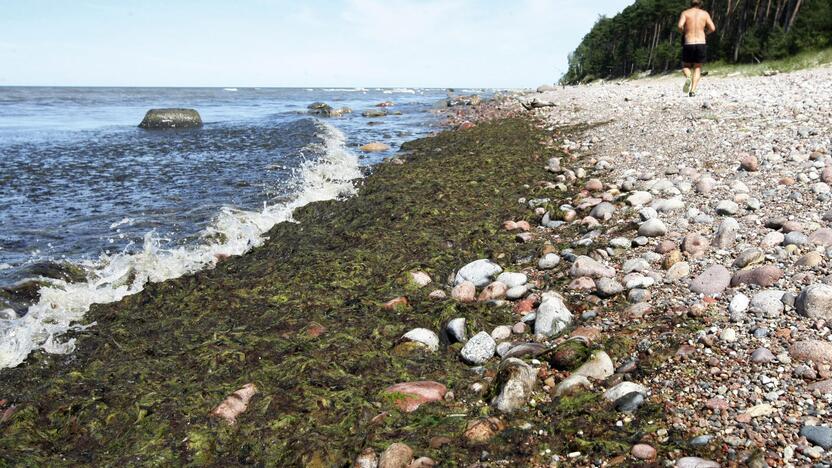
(694, 23)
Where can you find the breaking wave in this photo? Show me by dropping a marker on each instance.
(62, 305)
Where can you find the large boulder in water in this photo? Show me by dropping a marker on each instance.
(171, 118)
(325, 110)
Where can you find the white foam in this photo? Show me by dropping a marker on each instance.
(62, 305)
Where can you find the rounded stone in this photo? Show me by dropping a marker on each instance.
(479, 349)
(156, 119)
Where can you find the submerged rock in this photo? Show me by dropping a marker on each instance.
(375, 147)
(171, 118)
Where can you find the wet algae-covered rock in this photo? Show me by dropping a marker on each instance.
(171, 118)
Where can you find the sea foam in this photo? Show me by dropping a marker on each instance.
(62, 305)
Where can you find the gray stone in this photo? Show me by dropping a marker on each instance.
(552, 315)
(517, 292)
(727, 207)
(526, 349)
(818, 435)
(587, 266)
(639, 198)
(668, 205)
(478, 272)
(570, 384)
(768, 303)
(635, 264)
(157, 119)
(653, 227)
(762, 356)
(511, 279)
(548, 261)
(629, 402)
(479, 349)
(726, 234)
(815, 301)
(795, 238)
(515, 380)
(748, 257)
(608, 287)
(623, 388)
(603, 210)
(714, 280)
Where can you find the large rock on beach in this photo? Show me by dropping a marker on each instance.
(815, 301)
(714, 280)
(552, 315)
(812, 350)
(156, 119)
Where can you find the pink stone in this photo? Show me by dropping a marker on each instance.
(643, 452)
(464, 292)
(717, 404)
(765, 276)
(695, 244)
(492, 292)
(594, 185)
(235, 404)
(749, 163)
(414, 394)
(812, 350)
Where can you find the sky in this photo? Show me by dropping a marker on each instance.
(300, 43)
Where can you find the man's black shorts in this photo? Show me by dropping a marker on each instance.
(694, 53)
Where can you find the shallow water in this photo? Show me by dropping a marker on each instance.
(79, 182)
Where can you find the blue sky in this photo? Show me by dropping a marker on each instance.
(441, 43)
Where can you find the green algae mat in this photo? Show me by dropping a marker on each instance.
(144, 379)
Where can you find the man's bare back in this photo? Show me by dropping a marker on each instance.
(694, 23)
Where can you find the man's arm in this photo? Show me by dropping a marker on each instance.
(710, 28)
(682, 22)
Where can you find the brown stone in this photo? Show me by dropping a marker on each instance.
(397, 455)
(395, 303)
(480, 431)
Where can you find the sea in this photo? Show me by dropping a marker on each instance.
(93, 208)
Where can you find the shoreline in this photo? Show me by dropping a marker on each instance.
(200, 337)
(630, 352)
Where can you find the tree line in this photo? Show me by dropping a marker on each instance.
(644, 36)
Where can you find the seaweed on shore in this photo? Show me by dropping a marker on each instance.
(140, 387)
